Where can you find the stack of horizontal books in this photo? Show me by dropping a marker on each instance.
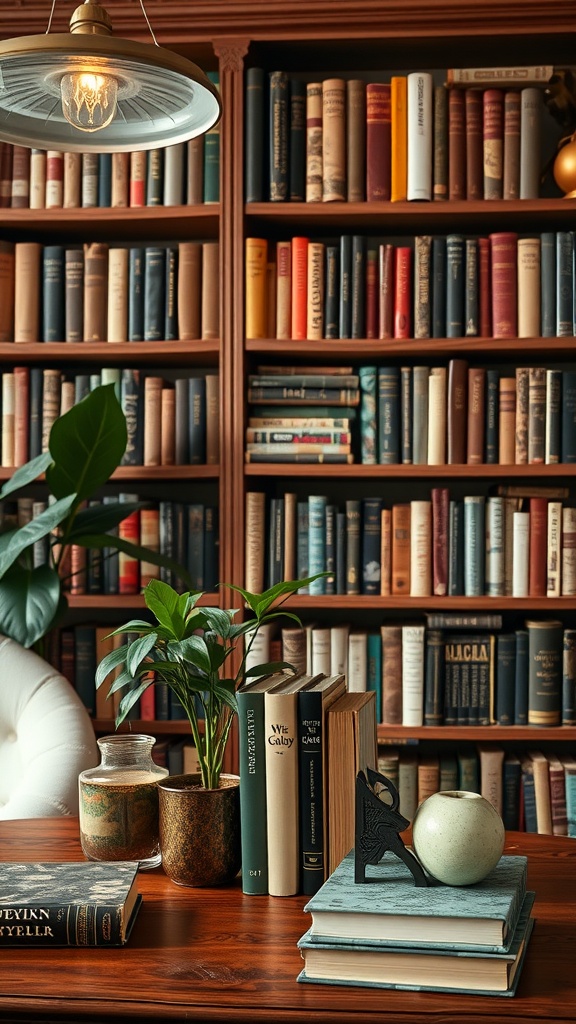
(301, 416)
(387, 933)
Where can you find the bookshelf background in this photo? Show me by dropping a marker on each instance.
(310, 40)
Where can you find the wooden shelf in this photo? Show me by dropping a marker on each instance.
(107, 353)
(406, 348)
(149, 473)
(122, 602)
(350, 602)
(532, 473)
(403, 734)
(140, 223)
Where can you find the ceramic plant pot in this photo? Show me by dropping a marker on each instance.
(200, 830)
(458, 837)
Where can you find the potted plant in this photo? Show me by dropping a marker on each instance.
(190, 647)
(85, 446)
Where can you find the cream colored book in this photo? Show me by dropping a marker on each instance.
(320, 650)
(568, 569)
(282, 804)
(413, 674)
(357, 677)
(528, 287)
(339, 649)
(8, 424)
(255, 514)
(437, 416)
(520, 553)
(420, 548)
(333, 140)
(541, 771)
(117, 295)
(315, 305)
(153, 421)
(38, 179)
(314, 142)
(554, 549)
(491, 769)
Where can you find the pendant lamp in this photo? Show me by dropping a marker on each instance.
(86, 90)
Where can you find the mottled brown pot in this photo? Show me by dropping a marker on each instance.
(200, 830)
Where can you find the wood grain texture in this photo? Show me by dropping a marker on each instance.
(217, 955)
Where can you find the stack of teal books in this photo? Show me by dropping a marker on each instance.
(387, 933)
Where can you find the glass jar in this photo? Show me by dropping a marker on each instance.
(119, 802)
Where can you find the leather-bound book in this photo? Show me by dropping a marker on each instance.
(120, 190)
(457, 411)
(174, 181)
(297, 141)
(154, 297)
(53, 309)
(420, 548)
(568, 574)
(372, 294)
(456, 144)
(278, 135)
(254, 136)
(334, 140)
(21, 414)
(95, 291)
(402, 292)
(153, 421)
(117, 294)
(189, 290)
(511, 180)
(254, 532)
(391, 637)
(105, 180)
(20, 187)
(484, 289)
(538, 547)
(531, 111)
(386, 290)
(314, 142)
(155, 177)
(7, 264)
(210, 291)
(299, 287)
(378, 141)
(455, 290)
(212, 154)
(437, 416)
(438, 286)
(167, 429)
(521, 436)
(358, 288)
(27, 291)
(476, 415)
(284, 290)
(136, 294)
(504, 262)
(51, 400)
(529, 274)
(493, 143)
(74, 294)
(545, 657)
(6, 154)
(8, 422)
(89, 181)
(420, 129)
(422, 286)
(440, 532)
(471, 296)
(194, 190)
(255, 298)
(72, 194)
(536, 414)
(507, 422)
(315, 291)
(399, 140)
(564, 284)
(441, 152)
(474, 144)
(212, 385)
(171, 294)
(355, 140)
(401, 549)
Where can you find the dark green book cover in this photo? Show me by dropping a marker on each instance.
(212, 155)
(104, 179)
(279, 105)
(68, 904)
(297, 141)
(438, 277)
(155, 177)
(505, 677)
(548, 283)
(388, 415)
(136, 295)
(455, 286)
(254, 135)
(358, 323)
(53, 293)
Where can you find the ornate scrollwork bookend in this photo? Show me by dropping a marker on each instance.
(378, 825)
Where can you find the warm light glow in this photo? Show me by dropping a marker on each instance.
(89, 100)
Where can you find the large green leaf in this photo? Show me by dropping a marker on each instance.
(101, 518)
(87, 444)
(260, 603)
(164, 602)
(26, 474)
(30, 600)
(33, 531)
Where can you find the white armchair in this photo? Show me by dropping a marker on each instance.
(46, 737)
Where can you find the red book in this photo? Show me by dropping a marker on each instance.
(378, 141)
(402, 292)
(511, 157)
(474, 143)
(20, 192)
(299, 288)
(440, 508)
(386, 291)
(54, 179)
(484, 289)
(371, 294)
(138, 178)
(538, 547)
(148, 705)
(456, 145)
(504, 280)
(128, 567)
(493, 143)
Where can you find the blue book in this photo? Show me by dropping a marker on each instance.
(302, 543)
(564, 284)
(439, 286)
(388, 415)
(212, 155)
(430, 970)
(197, 420)
(345, 310)
(317, 540)
(53, 304)
(570, 779)
(276, 542)
(505, 677)
(136, 295)
(406, 418)
(331, 513)
(154, 287)
(474, 545)
(528, 796)
(341, 553)
(368, 417)
(396, 912)
(254, 135)
(521, 678)
(491, 418)
(104, 179)
(374, 650)
(456, 548)
(455, 291)
(371, 532)
(548, 283)
(332, 293)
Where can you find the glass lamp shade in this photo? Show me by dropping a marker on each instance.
(161, 97)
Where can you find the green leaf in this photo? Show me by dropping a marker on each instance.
(87, 444)
(195, 651)
(129, 699)
(26, 474)
(35, 530)
(138, 651)
(30, 600)
(101, 518)
(259, 603)
(218, 621)
(110, 662)
(225, 693)
(109, 540)
(265, 670)
(164, 602)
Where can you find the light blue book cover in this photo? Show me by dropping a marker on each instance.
(317, 540)
(389, 908)
(420, 969)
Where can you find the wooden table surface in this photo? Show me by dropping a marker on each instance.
(217, 955)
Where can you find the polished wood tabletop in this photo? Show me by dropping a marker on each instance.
(218, 955)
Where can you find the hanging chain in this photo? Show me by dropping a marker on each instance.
(51, 16)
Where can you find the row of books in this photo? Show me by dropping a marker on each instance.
(442, 286)
(184, 532)
(185, 173)
(97, 292)
(442, 674)
(409, 137)
(169, 422)
(476, 546)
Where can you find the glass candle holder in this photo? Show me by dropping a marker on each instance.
(119, 802)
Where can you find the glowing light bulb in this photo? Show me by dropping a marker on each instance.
(88, 100)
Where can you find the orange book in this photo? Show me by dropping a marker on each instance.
(256, 286)
(399, 138)
(284, 290)
(385, 550)
(401, 549)
(21, 414)
(299, 288)
(137, 190)
(507, 421)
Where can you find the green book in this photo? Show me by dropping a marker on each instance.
(481, 916)
(212, 155)
(431, 969)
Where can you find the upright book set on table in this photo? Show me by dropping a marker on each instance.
(388, 933)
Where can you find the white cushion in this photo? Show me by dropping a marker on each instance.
(46, 737)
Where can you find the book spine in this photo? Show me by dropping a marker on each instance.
(402, 292)
(474, 535)
(434, 678)
(545, 660)
(311, 741)
(422, 286)
(548, 283)
(154, 282)
(504, 284)
(569, 677)
(89, 180)
(568, 571)
(476, 415)
(456, 415)
(137, 185)
(399, 141)
(53, 293)
(420, 548)
(299, 315)
(356, 140)
(455, 276)
(529, 276)
(386, 260)
(564, 284)
(370, 545)
(104, 179)
(538, 541)
(353, 546)
(297, 141)
(511, 158)
(412, 675)
(457, 145)
(420, 125)
(358, 288)
(317, 540)
(378, 141)
(331, 293)
(536, 414)
(38, 179)
(252, 762)
(520, 554)
(568, 429)
(278, 134)
(254, 135)
(492, 411)
(530, 131)
(401, 549)
(388, 415)
(406, 415)
(210, 295)
(368, 414)
(154, 192)
(211, 175)
(314, 142)
(471, 293)
(334, 140)
(281, 740)
(553, 414)
(505, 678)
(507, 421)
(493, 143)
(521, 678)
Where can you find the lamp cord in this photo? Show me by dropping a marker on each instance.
(143, 12)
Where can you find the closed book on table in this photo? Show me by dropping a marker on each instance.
(70, 904)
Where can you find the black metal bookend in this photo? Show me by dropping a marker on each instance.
(378, 825)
